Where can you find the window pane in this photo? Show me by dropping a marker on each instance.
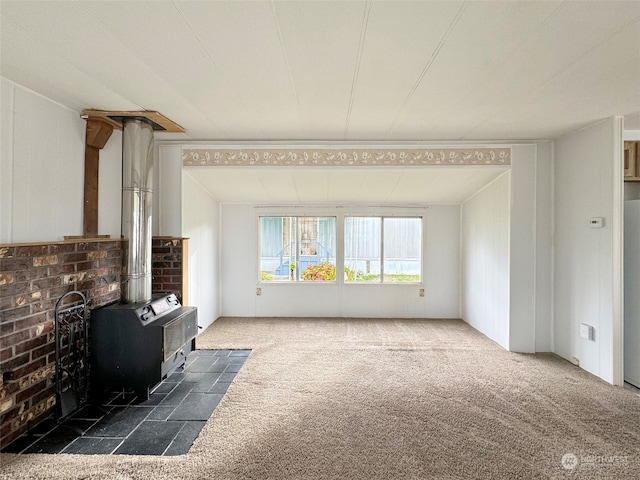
(304, 249)
(277, 248)
(317, 249)
(402, 249)
(362, 238)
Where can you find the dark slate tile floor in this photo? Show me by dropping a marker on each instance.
(167, 423)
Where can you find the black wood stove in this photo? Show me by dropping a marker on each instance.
(138, 342)
(134, 346)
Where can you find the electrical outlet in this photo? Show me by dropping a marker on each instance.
(586, 331)
(258, 291)
(596, 222)
(421, 293)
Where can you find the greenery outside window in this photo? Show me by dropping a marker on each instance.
(297, 249)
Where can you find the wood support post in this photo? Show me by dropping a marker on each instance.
(97, 134)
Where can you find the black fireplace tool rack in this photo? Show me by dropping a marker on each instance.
(72, 359)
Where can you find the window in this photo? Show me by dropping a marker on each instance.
(296, 249)
(383, 249)
(374, 249)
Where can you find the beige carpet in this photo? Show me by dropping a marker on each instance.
(386, 399)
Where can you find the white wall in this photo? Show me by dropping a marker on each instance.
(485, 260)
(588, 182)
(522, 249)
(240, 273)
(42, 170)
(514, 307)
(507, 253)
(200, 223)
(167, 195)
(41, 181)
(544, 248)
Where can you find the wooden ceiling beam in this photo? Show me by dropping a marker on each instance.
(97, 135)
(160, 122)
(98, 132)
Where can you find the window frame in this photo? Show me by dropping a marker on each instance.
(297, 280)
(340, 246)
(382, 247)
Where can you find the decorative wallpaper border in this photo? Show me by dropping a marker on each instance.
(347, 157)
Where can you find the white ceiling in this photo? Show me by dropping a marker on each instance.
(336, 71)
(343, 185)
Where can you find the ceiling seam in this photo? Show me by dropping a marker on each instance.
(72, 64)
(58, 102)
(392, 190)
(356, 72)
(422, 124)
(264, 187)
(296, 189)
(106, 30)
(603, 114)
(635, 98)
(215, 64)
(581, 57)
(489, 79)
(208, 191)
(427, 66)
(566, 68)
(286, 61)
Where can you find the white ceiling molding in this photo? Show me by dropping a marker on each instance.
(345, 157)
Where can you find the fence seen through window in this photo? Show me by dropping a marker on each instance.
(383, 249)
(375, 249)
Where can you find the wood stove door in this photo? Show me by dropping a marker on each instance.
(178, 332)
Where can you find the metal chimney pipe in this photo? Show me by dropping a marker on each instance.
(137, 181)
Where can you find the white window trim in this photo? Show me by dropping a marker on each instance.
(382, 217)
(364, 211)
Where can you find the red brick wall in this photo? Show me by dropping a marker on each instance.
(167, 255)
(32, 278)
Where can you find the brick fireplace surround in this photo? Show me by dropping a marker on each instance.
(32, 278)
